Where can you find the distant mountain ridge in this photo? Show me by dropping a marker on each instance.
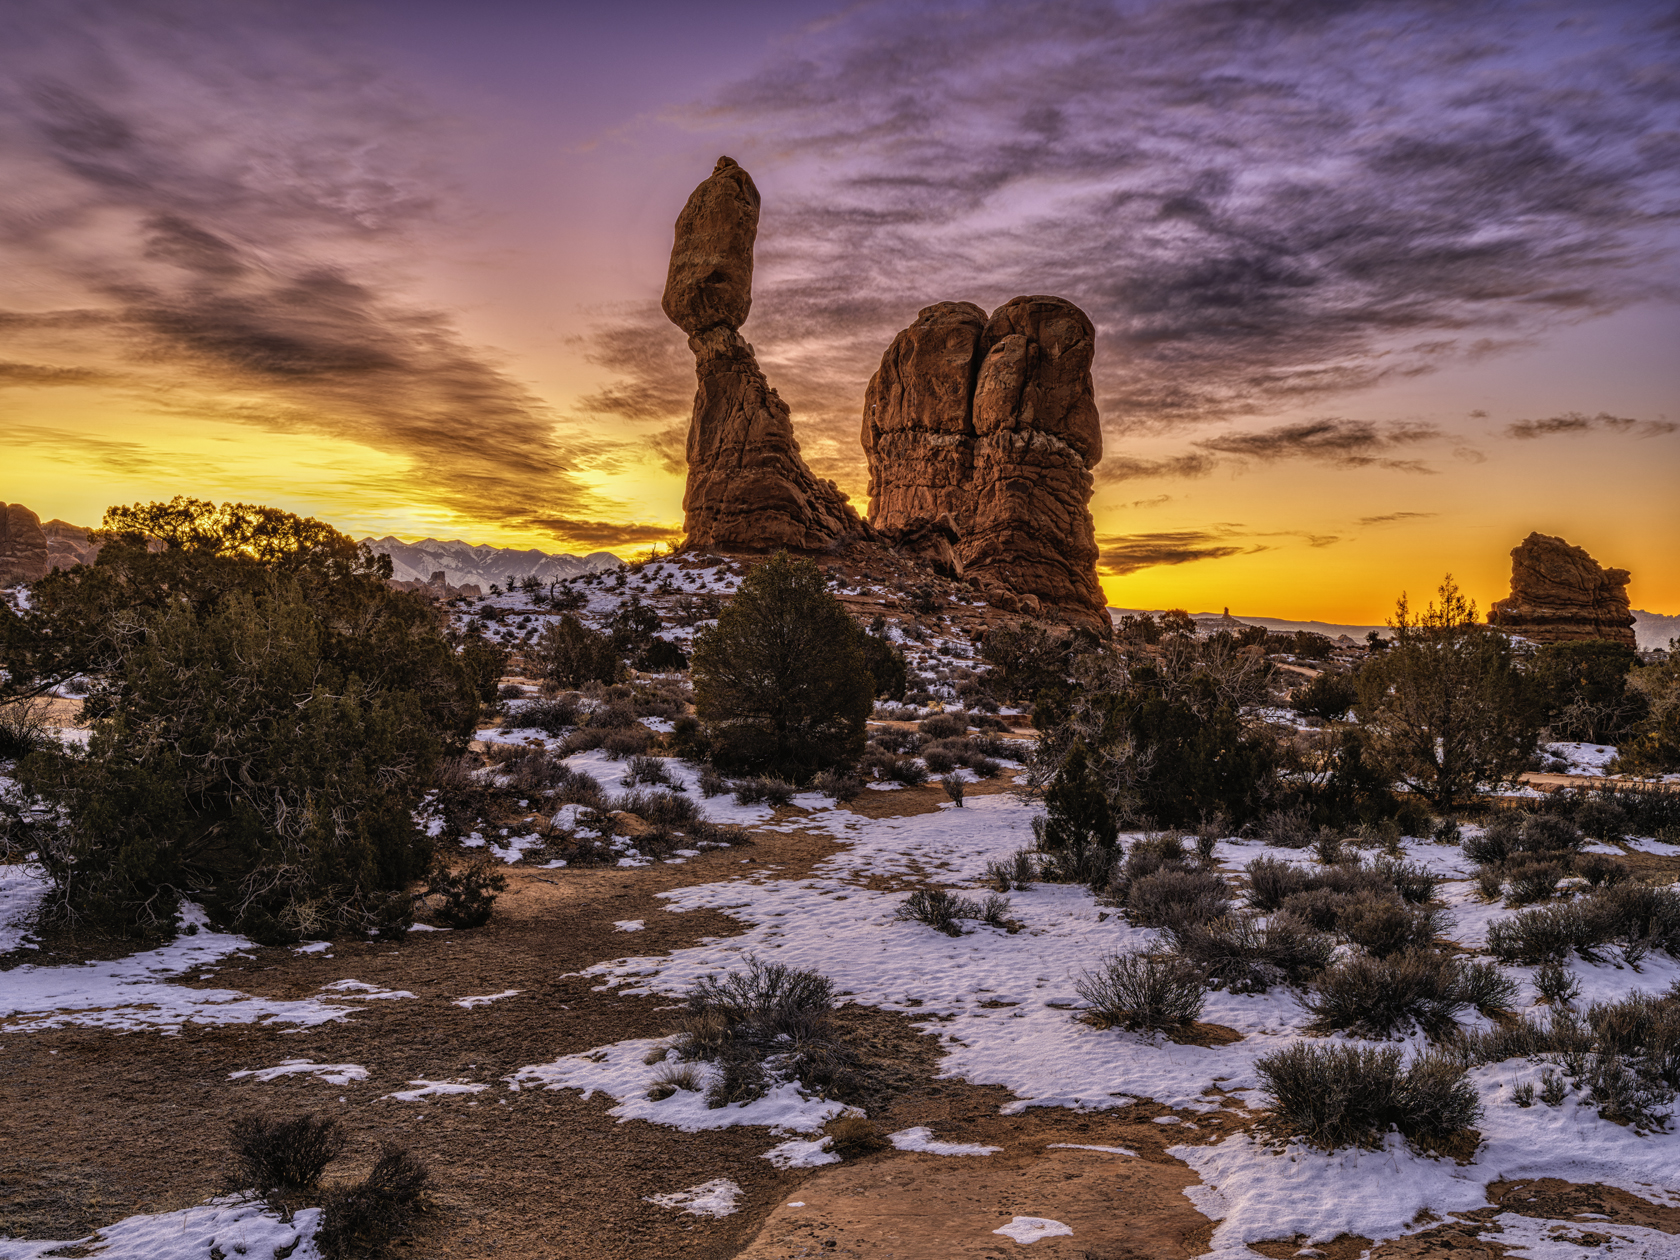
(1652, 630)
(464, 564)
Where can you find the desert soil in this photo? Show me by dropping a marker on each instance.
(100, 1125)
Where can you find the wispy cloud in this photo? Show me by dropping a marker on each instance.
(1121, 554)
(1349, 443)
(1574, 422)
(221, 205)
(1390, 517)
(1259, 205)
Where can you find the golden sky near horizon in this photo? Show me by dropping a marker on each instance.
(1370, 308)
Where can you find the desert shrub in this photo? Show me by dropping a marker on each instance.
(365, 1218)
(994, 911)
(660, 809)
(1531, 879)
(885, 661)
(583, 739)
(1624, 1094)
(629, 741)
(1379, 997)
(1484, 986)
(1549, 833)
(1338, 1096)
(852, 1137)
(1018, 871)
(1329, 847)
(1600, 870)
(939, 760)
(712, 783)
(943, 726)
(1136, 990)
(1327, 697)
(570, 654)
(1287, 828)
(672, 1078)
(896, 739)
(468, 893)
(1236, 953)
(1636, 917)
(1414, 883)
(1556, 984)
(769, 1011)
(1385, 925)
(1271, 881)
(780, 682)
(1602, 818)
(1088, 864)
(23, 729)
(760, 791)
(649, 770)
(1317, 907)
(953, 785)
(1496, 841)
(837, 785)
(1171, 898)
(937, 908)
(1446, 831)
(284, 1155)
(551, 717)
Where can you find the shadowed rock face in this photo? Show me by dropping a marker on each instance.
(991, 425)
(747, 485)
(23, 547)
(1559, 594)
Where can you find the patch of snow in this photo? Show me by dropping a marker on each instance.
(330, 1073)
(1655, 846)
(629, 925)
(313, 947)
(429, 1089)
(921, 1139)
(710, 1198)
(796, 1153)
(23, 886)
(363, 990)
(1029, 1229)
(134, 994)
(1537, 1238)
(484, 999)
(232, 1225)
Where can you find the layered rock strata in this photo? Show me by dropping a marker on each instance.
(984, 431)
(1559, 594)
(748, 487)
(23, 546)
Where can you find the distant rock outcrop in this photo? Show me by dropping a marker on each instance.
(748, 487)
(985, 430)
(23, 547)
(1559, 593)
(69, 545)
(469, 564)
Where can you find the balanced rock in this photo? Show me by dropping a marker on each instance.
(23, 547)
(1559, 594)
(992, 423)
(748, 487)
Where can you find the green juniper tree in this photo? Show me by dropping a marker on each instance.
(1447, 707)
(780, 682)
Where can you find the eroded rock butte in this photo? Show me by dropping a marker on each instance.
(1559, 593)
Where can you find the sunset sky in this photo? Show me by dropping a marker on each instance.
(1379, 287)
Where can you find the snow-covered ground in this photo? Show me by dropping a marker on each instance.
(1004, 1007)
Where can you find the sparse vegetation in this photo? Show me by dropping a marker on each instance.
(284, 1155)
(1338, 1096)
(1140, 991)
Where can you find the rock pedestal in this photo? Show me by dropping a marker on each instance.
(1560, 594)
(748, 488)
(991, 423)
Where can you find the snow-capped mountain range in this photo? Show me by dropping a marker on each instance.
(464, 564)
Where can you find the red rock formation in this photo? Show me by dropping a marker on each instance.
(23, 547)
(748, 488)
(69, 545)
(1559, 593)
(993, 423)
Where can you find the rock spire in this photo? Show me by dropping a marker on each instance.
(748, 487)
